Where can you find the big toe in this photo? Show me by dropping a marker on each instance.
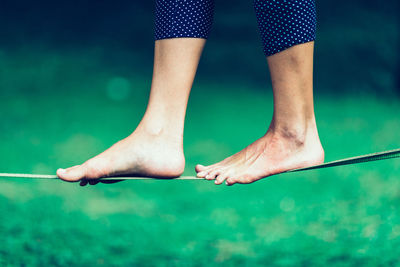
(200, 168)
(72, 174)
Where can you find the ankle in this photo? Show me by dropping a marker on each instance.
(297, 131)
(160, 129)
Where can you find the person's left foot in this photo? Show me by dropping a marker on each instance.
(276, 152)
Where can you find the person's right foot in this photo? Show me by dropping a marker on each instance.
(140, 154)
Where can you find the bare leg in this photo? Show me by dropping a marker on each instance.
(292, 139)
(155, 148)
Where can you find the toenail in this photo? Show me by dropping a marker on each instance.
(62, 171)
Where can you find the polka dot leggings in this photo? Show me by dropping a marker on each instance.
(282, 23)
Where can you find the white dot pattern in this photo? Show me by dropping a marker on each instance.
(284, 23)
(183, 18)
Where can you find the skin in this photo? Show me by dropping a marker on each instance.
(291, 140)
(155, 148)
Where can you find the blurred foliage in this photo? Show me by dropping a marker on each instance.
(340, 216)
(74, 79)
(357, 48)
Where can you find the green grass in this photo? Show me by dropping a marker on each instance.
(72, 107)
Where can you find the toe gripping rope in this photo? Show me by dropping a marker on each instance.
(348, 161)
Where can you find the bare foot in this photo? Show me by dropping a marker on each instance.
(140, 154)
(276, 152)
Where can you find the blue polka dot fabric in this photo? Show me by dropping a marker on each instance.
(285, 23)
(282, 23)
(183, 18)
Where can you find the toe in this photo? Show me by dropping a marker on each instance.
(202, 174)
(231, 181)
(204, 170)
(212, 174)
(241, 179)
(221, 178)
(72, 174)
(200, 168)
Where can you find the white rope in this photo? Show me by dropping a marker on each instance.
(395, 153)
(46, 176)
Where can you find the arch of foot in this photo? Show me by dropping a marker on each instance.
(285, 23)
(183, 18)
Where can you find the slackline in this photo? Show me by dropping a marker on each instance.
(395, 153)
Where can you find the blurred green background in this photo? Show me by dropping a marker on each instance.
(74, 79)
